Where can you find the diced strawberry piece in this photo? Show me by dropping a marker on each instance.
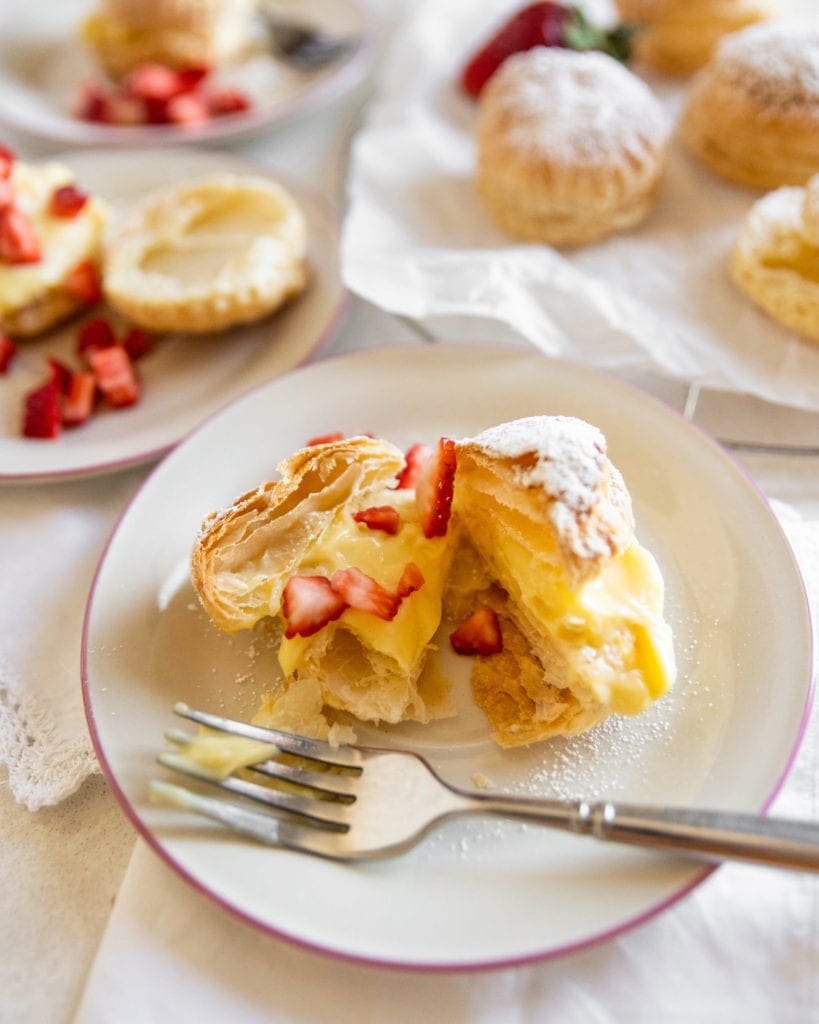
(188, 109)
(379, 517)
(96, 333)
(308, 604)
(324, 439)
(153, 82)
(412, 579)
(7, 197)
(18, 243)
(414, 461)
(137, 343)
(41, 411)
(125, 110)
(363, 592)
(480, 634)
(67, 201)
(60, 373)
(190, 78)
(78, 402)
(435, 488)
(93, 103)
(228, 101)
(8, 350)
(84, 283)
(7, 159)
(115, 375)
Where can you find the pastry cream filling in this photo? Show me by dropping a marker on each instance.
(347, 544)
(64, 241)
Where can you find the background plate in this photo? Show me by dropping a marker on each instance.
(477, 893)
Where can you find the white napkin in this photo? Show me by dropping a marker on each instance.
(417, 242)
(746, 946)
(52, 540)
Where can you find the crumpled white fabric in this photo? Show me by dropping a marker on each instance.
(416, 240)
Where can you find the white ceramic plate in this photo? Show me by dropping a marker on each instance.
(476, 893)
(185, 379)
(43, 63)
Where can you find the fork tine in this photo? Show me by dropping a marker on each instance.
(313, 750)
(305, 807)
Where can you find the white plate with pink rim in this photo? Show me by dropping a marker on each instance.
(44, 63)
(185, 378)
(483, 892)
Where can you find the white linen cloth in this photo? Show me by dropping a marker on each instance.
(656, 299)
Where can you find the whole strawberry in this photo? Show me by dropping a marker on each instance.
(542, 24)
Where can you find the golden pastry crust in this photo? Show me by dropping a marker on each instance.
(810, 211)
(33, 296)
(776, 260)
(678, 38)
(213, 253)
(752, 115)
(570, 146)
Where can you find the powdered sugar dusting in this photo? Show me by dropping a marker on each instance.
(576, 107)
(776, 64)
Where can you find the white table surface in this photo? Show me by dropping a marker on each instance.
(73, 856)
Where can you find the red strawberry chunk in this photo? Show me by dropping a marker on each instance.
(363, 592)
(379, 517)
(60, 373)
(228, 101)
(154, 82)
(435, 488)
(84, 283)
(7, 158)
(67, 201)
(324, 439)
(78, 402)
(137, 343)
(8, 350)
(190, 78)
(97, 333)
(308, 604)
(93, 103)
(7, 196)
(412, 579)
(189, 109)
(41, 411)
(18, 243)
(480, 634)
(125, 110)
(414, 461)
(115, 375)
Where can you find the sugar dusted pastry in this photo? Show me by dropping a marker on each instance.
(571, 146)
(776, 258)
(50, 246)
(178, 33)
(207, 255)
(679, 37)
(752, 115)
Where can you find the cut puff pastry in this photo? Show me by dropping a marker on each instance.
(302, 525)
(213, 253)
(776, 258)
(581, 603)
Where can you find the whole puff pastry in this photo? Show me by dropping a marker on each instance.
(752, 115)
(776, 258)
(679, 37)
(571, 146)
(207, 255)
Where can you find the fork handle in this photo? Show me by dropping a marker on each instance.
(712, 835)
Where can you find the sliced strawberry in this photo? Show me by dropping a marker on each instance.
(115, 375)
(324, 439)
(308, 604)
(93, 103)
(125, 110)
(137, 343)
(414, 461)
(153, 82)
(7, 158)
(363, 592)
(228, 101)
(96, 333)
(60, 373)
(41, 411)
(67, 201)
(379, 517)
(78, 402)
(18, 243)
(191, 78)
(435, 488)
(188, 109)
(480, 634)
(412, 579)
(84, 283)
(7, 196)
(8, 350)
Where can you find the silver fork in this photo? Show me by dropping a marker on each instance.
(363, 803)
